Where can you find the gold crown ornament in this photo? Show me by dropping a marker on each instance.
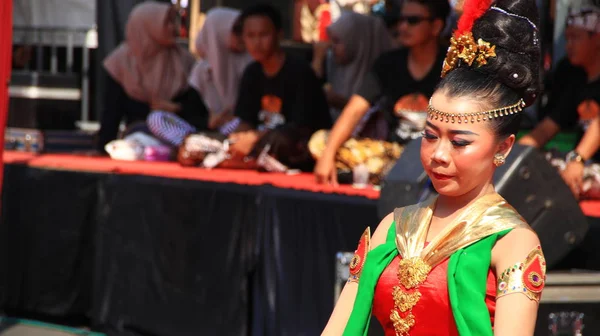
(465, 48)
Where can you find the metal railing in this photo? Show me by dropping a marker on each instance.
(42, 39)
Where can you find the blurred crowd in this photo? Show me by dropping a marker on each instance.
(243, 101)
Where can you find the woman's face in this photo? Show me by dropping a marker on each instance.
(339, 51)
(459, 157)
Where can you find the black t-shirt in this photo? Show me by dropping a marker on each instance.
(404, 99)
(574, 102)
(292, 97)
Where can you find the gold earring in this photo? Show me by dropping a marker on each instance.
(499, 159)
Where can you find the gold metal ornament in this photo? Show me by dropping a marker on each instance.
(435, 114)
(499, 160)
(405, 301)
(413, 272)
(465, 48)
(402, 326)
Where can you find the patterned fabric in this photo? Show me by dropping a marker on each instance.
(586, 17)
(360, 256)
(527, 277)
(230, 127)
(169, 127)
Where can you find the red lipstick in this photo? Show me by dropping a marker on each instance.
(440, 177)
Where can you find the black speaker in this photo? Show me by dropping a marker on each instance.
(527, 181)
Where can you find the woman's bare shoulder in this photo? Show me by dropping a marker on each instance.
(380, 235)
(514, 247)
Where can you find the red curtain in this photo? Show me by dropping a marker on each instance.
(5, 66)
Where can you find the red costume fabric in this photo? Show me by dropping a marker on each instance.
(433, 314)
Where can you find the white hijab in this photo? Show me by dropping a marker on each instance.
(217, 76)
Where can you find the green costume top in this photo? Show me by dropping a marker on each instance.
(467, 241)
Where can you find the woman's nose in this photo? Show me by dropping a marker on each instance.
(441, 153)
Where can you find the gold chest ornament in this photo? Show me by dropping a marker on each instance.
(485, 216)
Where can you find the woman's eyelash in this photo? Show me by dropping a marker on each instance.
(457, 143)
(427, 135)
(461, 143)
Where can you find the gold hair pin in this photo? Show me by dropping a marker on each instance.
(435, 114)
(465, 48)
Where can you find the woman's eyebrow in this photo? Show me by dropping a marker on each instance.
(462, 132)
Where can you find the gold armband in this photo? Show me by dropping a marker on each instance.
(360, 256)
(526, 277)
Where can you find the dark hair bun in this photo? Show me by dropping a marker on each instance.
(517, 61)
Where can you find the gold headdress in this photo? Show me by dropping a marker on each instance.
(435, 114)
(465, 48)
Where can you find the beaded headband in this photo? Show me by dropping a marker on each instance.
(535, 28)
(435, 114)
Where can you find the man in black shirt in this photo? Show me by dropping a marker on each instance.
(400, 83)
(278, 93)
(575, 98)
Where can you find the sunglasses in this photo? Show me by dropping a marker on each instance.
(413, 19)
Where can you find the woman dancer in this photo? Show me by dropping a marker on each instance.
(464, 263)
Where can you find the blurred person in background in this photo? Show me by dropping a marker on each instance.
(574, 102)
(356, 42)
(148, 71)
(281, 102)
(400, 83)
(216, 76)
(576, 91)
(573, 174)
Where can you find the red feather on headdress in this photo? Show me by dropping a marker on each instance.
(472, 10)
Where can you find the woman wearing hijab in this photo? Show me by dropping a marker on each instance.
(217, 76)
(356, 41)
(147, 71)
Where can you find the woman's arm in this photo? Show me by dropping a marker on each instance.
(345, 304)
(325, 170)
(516, 311)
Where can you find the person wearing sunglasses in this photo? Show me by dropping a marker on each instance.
(398, 86)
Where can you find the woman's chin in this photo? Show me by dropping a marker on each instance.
(447, 188)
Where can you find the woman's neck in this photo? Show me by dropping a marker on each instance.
(447, 206)
(274, 63)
